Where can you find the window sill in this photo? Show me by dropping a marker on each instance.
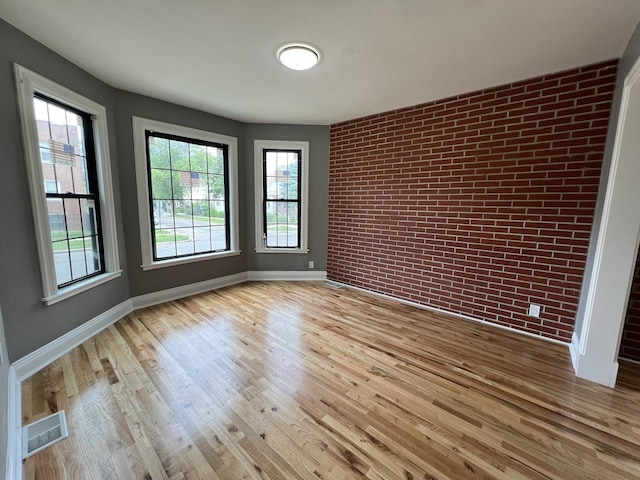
(182, 261)
(80, 287)
(282, 250)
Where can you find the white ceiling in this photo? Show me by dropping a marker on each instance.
(377, 55)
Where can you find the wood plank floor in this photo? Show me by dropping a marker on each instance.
(307, 381)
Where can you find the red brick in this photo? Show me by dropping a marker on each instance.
(478, 204)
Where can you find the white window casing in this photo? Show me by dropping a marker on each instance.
(28, 83)
(258, 147)
(140, 126)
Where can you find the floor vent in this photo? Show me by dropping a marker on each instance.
(45, 432)
(333, 284)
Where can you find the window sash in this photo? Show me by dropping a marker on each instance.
(267, 199)
(227, 216)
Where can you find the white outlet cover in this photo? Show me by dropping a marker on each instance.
(534, 310)
(311, 264)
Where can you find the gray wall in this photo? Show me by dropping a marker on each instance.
(141, 282)
(628, 60)
(318, 138)
(4, 399)
(29, 324)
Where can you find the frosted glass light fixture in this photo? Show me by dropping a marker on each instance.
(298, 56)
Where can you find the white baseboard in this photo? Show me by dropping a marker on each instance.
(303, 276)
(14, 427)
(596, 370)
(447, 312)
(630, 360)
(37, 360)
(574, 350)
(182, 291)
(593, 368)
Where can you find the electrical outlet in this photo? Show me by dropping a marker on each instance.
(534, 310)
(312, 264)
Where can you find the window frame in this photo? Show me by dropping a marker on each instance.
(259, 147)
(28, 85)
(140, 128)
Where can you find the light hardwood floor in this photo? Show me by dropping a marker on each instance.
(303, 380)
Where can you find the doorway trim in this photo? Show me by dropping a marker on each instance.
(595, 353)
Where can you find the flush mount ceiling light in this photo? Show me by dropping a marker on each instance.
(298, 56)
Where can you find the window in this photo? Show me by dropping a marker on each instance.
(70, 182)
(77, 248)
(50, 186)
(281, 180)
(187, 193)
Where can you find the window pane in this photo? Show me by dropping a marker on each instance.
(62, 174)
(58, 123)
(215, 187)
(57, 220)
(184, 213)
(179, 155)
(215, 160)
(185, 241)
(75, 134)
(218, 237)
(202, 239)
(178, 192)
(62, 262)
(163, 214)
(217, 212)
(50, 186)
(159, 152)
(198, 155)
(189, 197)
(291, 230)
(161, 184)
(165, 239)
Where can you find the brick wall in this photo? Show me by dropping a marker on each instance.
(479, 204)
(630, 346)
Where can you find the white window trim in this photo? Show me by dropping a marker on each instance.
(140, 125)
(258, 147)
(28, 83)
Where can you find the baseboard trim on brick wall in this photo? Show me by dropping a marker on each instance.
(14, 427)
(302, 276)
(37, 360)
(630, 360)
(458, 315)
(155, 298)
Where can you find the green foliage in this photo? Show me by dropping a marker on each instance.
(170, 157)
(167, 236)
(275, 218)
(289, 189)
